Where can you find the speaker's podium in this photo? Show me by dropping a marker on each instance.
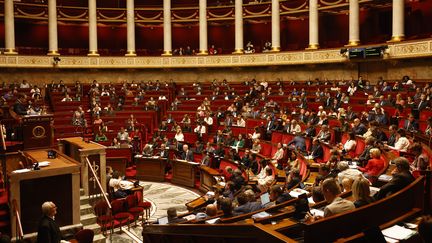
(57, 180)
(37, 131)
(183, 172)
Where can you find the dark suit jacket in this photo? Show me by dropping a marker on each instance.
(48, 231)
(218, 139)
(247, 208)
(391, 140)
(317, 151)
(188, 155)
(399, 181)
(411, 126)
(164, 154)
(360, 129)
(422, 105)
(19, 108)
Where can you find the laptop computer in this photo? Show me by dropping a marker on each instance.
(163, 220)
(265, 199)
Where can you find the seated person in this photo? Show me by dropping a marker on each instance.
(172, 216)
(345, 172)
(374, 166)
(293, 179)
(316, 150)
(256, 146)
(278, 195)
(279, 154)
(421, 161)
(237, 179)
(361, 192)
(336, 204)
(210, 211)
(245, 206)
(187, 153)
(401, 177)
(239, 142)
(402, 142)
(100, 137)
(226, 207)
(123, 135)
(115, 143)
(350, 144)
(267, 180)
(120, 187)
(298, 142)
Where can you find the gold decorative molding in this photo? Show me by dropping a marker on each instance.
(399, 50)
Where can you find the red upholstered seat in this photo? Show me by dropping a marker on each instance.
(276, 137)
(104, 218)
(120, 213)
(143, 204)
(132, 205)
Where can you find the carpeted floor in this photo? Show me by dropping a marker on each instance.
(162, 196)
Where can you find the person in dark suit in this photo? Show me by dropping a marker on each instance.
(316, 150)
(219, 137)
(163, 153)
(298, 142)
(187, 154)
(19, 107)
(359, 128)
(245, 206)
(392, 135)
(423, 103)
(278, 195)
(402, 177)
(310, 130)
(411, 125)
(238, 179)
(48, 229)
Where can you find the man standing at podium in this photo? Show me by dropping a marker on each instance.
(48, 230)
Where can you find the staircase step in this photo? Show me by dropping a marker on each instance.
(88, 219)
(84, 200)
(99, 238)
(95, 227)
(86, 209)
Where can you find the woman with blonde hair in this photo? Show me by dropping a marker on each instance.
(361, 192)
(179, 134)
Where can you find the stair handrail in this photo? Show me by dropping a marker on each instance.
(98, 183)
(19, 230)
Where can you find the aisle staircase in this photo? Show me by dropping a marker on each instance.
(88, 218)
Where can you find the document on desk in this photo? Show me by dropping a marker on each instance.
(297, 192)
(385, 178)
(21, 171)
(317, 212)
(44, 163)
(261, 215)
(193, 163)
(398, 232)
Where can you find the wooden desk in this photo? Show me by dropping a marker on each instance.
(79, 150)
(184, 172)
(58, 182)
(207, 180)
(150, 168)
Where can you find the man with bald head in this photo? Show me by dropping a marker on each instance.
(48, 230)
(358, 127)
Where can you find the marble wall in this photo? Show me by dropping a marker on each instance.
(392, 69)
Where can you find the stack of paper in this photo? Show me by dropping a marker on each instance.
(261, 215)
(297, 192)
(398, 232)
(385, 178)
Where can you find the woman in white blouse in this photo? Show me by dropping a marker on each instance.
(402, 142)
(179, 135)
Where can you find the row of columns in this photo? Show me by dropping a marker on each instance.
(354, 26)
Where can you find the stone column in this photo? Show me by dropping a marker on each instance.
(354, 25)
(238, 27)
(93, 45)
(52, 28)
(167, 28)
(130, 12)
(9, 27)
(203, 45)
(313, 25)
(275, 14)
(84, 174)
(398, 33)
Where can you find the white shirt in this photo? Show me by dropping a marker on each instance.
(349, 145)
(200, 129)
(279, 154)
(208, 120)
(296, 128)
(241, 123)
(179, 137)
(402, 144)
